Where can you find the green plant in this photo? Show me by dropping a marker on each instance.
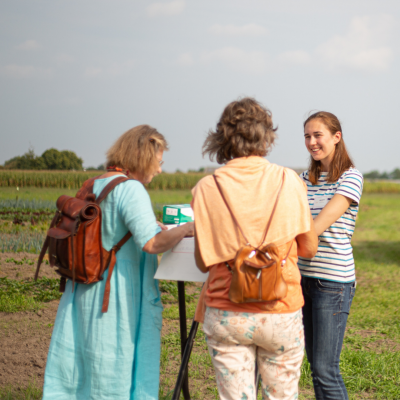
(27, 295)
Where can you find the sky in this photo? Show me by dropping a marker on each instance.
(74, 75)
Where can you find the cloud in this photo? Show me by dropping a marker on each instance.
(233, 30)
(238, 59)
(110, 71)
(363, 48)
(29, 45)
(296, 57)
(185, 60)
(25, 71)
(174, 7)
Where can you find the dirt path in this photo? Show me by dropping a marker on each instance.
(25, 339)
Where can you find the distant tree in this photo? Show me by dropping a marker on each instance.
(395, 174)
(50, 159)
(372, 175)
(101, 167)
(28, 161)
(55, 159)
(197, 170)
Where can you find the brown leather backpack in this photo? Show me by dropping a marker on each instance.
(74, 239)
(256, 270)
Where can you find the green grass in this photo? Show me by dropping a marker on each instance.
(32, 392)
(381, 187)
(27, 295)
(370, 361)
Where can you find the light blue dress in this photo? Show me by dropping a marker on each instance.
(113, 355)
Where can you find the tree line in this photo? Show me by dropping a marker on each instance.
(52, 159)
(395, 174)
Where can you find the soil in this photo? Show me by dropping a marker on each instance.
(25, 339)
(24, 271)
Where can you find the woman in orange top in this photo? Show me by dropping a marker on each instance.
(269, 333)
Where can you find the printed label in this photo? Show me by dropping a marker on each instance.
(171, 211)
(321, 201)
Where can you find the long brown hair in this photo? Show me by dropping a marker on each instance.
(244, 129)
(136, 149)
(341, 161)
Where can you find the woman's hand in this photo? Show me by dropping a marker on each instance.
(333, 210)
(162, 226)
(167, 239)
(190, 229)
(307, 243)
(197, 256)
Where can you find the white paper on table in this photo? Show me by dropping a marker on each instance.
(178, 264)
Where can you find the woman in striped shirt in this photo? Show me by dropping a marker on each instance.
(334, 189)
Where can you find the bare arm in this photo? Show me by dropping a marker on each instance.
(197, 256)
(307, 243)
(165, 240)
(333, 210)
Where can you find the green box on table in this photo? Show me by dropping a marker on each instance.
(177, 214)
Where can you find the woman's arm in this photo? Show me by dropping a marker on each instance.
(165, 240)
(307, 243)
(333, 210)
(197, 256)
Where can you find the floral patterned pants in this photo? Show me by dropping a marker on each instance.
(236, 340)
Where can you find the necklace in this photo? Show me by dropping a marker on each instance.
(114, 168)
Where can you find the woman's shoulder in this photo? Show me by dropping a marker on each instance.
(204, 183)
(130, 190)
(293, 177)
(352, 174)
(352, 171)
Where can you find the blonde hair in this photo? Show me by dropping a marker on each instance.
(136, 149)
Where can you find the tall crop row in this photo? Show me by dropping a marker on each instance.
(174, 181)
(74, 180)
(44, 179)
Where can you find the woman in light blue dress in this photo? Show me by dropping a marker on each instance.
(116, 355)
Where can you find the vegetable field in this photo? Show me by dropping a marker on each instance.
(74, 180)
(370, 360)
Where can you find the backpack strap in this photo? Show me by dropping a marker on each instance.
(112, 257)
(86, 188)
(237, 223)
(109, 187)
(111, 263)
(230, 211)
(283, 262)
(273, 211)
(45, 245)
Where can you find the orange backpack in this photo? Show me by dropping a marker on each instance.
(256, 270)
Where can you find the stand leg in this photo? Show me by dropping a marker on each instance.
(183, 328)
(185, 360)
(257, 379)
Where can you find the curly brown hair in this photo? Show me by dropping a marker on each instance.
(136, 149)
(244, 129)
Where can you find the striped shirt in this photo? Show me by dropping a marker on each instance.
(334, 260)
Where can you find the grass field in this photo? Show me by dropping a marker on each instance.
(370, 360)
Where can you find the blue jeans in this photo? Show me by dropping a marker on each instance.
(325, 312)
